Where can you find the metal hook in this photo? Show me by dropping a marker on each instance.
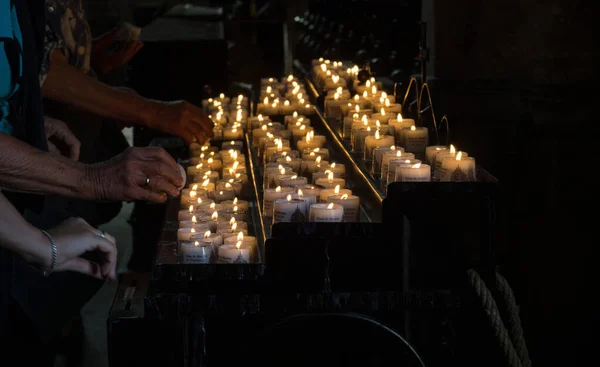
(445, 119)
(415, 83)
(425, 87)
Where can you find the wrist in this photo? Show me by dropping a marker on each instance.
(92, 182)
(37, 249)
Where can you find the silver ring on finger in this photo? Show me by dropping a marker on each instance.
(147, 181)
(102, 234)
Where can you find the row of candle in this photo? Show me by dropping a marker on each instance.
(213, 225)
(300, 184)
(372, 121)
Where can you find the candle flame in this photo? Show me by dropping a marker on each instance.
(330, 206)
(192, 230)
(332, 165)
(240, 236)
(193, 194)
(337, 189)
(212, 206)
(278, 189)
(377, 136)
(232, 221)
(269, 89)
(400, 117)
(266, 100)
(290, 78)
(191, 209)
(344, 197)
(238, 245)
(222, 96)
(235, 209)
(374, 90)
(368, 84)
(260, 116)
(399, 153)
(323, 67)
(452, 149)
(233, 226)
(355, 116)
(307, 105)
(418, 165)
(365, 94)
(459, 156)
(282, 171)
(286, 103)
(369, 128)
(199, 201)
(205, 183)
(377, 123)
(300, 193)
(318, 160)
(407, 161)
(336, 96)
(228, 185)
(365, 120)
(214, 216)
(206, 234)
(295, 114)
(194, 220)
(413, 128)
(210, 100)
(382, 112)
(289, 197)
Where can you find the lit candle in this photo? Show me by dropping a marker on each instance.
(431, 151)
(206, 209)
(413, 173)
(376, 141)
(232, 144)
(309, 143)
(270, 195)
(338, 190)
(300, 132)
(326, 213)
(293, 181)
(248, 241)
(351, 205)
(196, 252)
(336, 168)
(232, 231)
(378, 156)
(458, 169)
(233, 133)
(312, 154)
(214, 239)
(294, 163)
(289, 210)
(234, 254)
(241, 204)
(234, 212)
(395, 163)
(400, 123)
(191, 194)
(359, 138)
(398, 153)
(228, 185)
(384, 116)
(331, 182)
(288, 108)
(232, 224)
(310, 198)
(438, 157)
(223, 195)
(185, 234)
(416, 139)
(186, 214)
(308, 167)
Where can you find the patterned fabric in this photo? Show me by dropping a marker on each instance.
(68, 31)
(10, 31)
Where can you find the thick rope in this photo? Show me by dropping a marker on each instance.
(493, 315)
(513, 320)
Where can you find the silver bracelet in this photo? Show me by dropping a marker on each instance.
(47, 272)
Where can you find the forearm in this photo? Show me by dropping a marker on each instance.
(26, 169)
(20, 237)
(68, 85)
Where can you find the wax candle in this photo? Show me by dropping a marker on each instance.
(400, 123)
(376, 141)
(378, 154)
(223, 195)
(234, 212)
(416, 139)
(431, 151)
(289, 210)
(360, 137)
(294, 163)
(312, 154)
(293, 181)
(196, 252)
(338, 190)
(384, 116)
(256, 121)
(458, 169)
(230, 225)
(331, 182)
(232, 133)
(309, 167)
(214, 239)
(228, 185)
(273, 176)
(242, 204)
(212, 176)
(249, 241)
(233, 231)
(413, 173)
(185, 234)
(206, 209)
(324, 174)
(288, 108)
(326, 213)
(395, 163)
(193, 222)
(336, 168)
(438, 157)
(234, 254)
(186, 214)
(270, 195)
(190, 194)
(309, 198)
(398, 153)
(351, 205)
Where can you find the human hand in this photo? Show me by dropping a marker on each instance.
(75, 237)
(183, 119)
(124, 176)
(60, 139)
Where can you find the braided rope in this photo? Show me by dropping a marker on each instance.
(513, 320)
(493, 316)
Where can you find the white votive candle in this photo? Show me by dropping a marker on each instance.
(330, 182)
(400, 123)
(241, 204)
(458, 169)
(376, 141)
(351, 205)
(326, 213)
(185, 234)
(395, 163)
(234, 254)
(289, 210)
(398, 153)
(325, 193)
(270, 195)
(431, 151)
(196, 252)
(214, 239)
(413, 173)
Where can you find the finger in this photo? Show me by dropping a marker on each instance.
(83, 266)
(197, 131)
(109, 253)
(158, 168)
(53, 149)
(70, 140)
(160, 184)
(200, 118)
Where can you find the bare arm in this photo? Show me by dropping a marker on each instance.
(67, 84)
(26, 169)
(73, 238)
(136, 174)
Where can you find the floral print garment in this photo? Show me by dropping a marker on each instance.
(67, 30)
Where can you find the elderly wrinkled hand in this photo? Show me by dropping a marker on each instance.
(137, 174)
(183, 119)
(60, 139)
